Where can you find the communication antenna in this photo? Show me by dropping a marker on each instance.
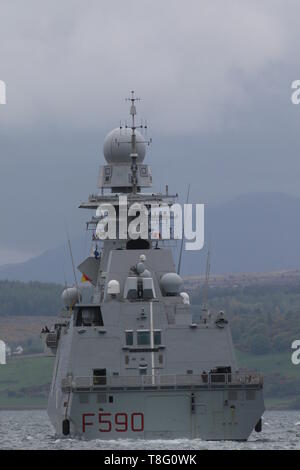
(72, 261)
(65, 278)
(205, 287)
(182, 239)
(133, 127)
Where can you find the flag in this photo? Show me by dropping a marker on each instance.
(84, 278)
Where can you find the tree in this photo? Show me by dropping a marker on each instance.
(260, 344)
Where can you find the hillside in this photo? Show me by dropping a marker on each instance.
(32, 298)
(25, 382)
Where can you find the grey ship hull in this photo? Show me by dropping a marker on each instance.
(161, 414)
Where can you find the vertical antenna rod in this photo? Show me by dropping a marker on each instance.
(133, 154)
(182, 239)
(72, 261)
(205, 287)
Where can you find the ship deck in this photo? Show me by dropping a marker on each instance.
(165, 382)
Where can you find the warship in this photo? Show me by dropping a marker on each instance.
(134, 362)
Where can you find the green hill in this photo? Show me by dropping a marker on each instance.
(25, 382)
(31, 298)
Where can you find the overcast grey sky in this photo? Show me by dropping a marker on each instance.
(214, 77)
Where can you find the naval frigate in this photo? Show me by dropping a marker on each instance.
(134, 362)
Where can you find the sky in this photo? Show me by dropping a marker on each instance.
(214, 79)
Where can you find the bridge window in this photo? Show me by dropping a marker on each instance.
(88, 316)
(157, 337)
(139, 244)
(129, 338)
(143, 338)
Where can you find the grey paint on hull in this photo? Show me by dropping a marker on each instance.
(167, 415)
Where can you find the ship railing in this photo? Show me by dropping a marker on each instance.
(206, 380)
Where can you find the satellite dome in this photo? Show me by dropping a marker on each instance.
(171, 283)
(70, 297)
(117, 146)
(113, 287)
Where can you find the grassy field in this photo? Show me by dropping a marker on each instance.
(281, 378)
(16, 329)
(275, 363)
(24, 382)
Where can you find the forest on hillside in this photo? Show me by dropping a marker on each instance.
(30, 298)
(264, 319)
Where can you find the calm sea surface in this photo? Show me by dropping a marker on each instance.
(32, 430)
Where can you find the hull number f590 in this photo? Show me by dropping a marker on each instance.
(118, 422)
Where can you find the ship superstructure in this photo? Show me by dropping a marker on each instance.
(133, 363)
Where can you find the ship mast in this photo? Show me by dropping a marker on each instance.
(134, 155)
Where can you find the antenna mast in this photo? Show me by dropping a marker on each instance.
(72, 261)
(182, 239)
(134, 154)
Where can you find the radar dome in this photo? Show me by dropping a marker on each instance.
(113, 287)
(70, 297)
(117, 146)
(171, 283)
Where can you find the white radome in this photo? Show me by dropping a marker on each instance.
(70, 297)
(113, 287)
(117, 146)
(171, 283)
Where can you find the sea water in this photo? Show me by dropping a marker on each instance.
(32, 430)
